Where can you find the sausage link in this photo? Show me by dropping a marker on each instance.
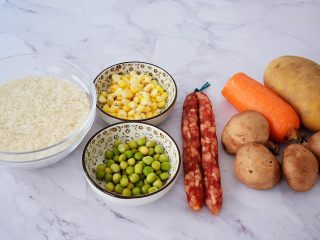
(209, 154)
(192, 153)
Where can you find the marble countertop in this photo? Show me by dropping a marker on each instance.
(196, 41)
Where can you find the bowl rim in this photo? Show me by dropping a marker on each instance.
(145, 119)
(116, 195)
(88, 120)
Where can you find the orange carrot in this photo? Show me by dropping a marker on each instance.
(244, 93)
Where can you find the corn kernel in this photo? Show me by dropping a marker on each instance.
(143, 115)
(149, 115)
(164, 95)
(155, 82)
(102, 99)
(115, 77)
(110, 100)
(161, 104)
(125, 101)
(147, 109)
(127, 93)
(126, 108)
(113, 88)
(104, 93)
(132, 105)
(134, 88)
(154, 93)
(105, 108)
(131, 113)
(140, 109)
(154, 106)
(121, 83)
(137, 116)
(122, 114)
(159, 99)
(147, 78)
(136, 100)
(117, 103)
(160, 89)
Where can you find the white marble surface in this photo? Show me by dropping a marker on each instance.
(196, 41)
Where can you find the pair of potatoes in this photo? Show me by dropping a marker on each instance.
(246, 135)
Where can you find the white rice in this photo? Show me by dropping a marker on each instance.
(37, 112)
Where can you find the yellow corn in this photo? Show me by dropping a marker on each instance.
(121, 83)
(104, 93)
(161, 104)
(102, 99)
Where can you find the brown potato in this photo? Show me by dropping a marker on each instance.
(314, 144)
(300, 167)
(242, 128)
(297, 80)
(256, 167)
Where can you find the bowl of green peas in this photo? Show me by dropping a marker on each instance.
(131, 163)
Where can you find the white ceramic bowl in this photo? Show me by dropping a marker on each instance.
(103, 80)
(21, 66)
(93, 154)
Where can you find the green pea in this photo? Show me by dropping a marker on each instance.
(100, 174)
(156, 157)
(145, 181)
(165, 166)
(147, 160)
(123, 165)
(136, 191)
(157, 183)
(143, 149)
(109, 186)
(108, 177)
(151, 177)
(151, 152)
(152, 189)
(116, 158)
(141, 141)
(138, 156)
(132, 144)
(138, 168)
(130, 185)
(108, 170)
(139, 184)
(145, 188)
(123, 147)
(151, 144)
(101, 167)
(134, 177)
(164, 158)
(108, 154)
(134, 150)
(156, 165)
(122, 157)
(124, 174)
(158, 172)
(117, 142)
(109, 163)
(126, 192)
(116, 151)
(129, 170)
(118, 189)
(115, 168)
(164, 176)
(116, 178)
(147, 170)
(124, 182)
(131, 161)
(158, 148)
(128, 153)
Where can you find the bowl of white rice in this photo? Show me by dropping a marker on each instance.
(47, 105)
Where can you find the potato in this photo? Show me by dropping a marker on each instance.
(256, 167)
(314, 144)
(297, 80)
(242, 128)
(300, 167)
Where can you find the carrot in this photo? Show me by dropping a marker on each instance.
(244, 93)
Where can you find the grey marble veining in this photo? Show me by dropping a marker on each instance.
(196, 41)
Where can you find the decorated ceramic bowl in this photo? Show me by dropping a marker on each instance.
(93, 155)
(103, 81)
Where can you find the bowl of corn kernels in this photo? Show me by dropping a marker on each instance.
(135, 91)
